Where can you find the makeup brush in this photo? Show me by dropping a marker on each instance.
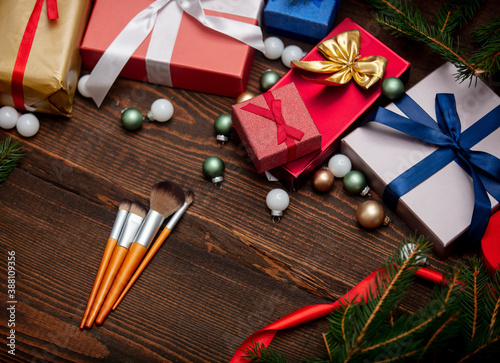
(134, 220)
(156, 246)
(121, 216)
(166, 198)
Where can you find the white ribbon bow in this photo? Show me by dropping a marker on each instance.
(163, 38)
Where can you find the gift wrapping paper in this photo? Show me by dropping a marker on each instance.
(334, 109)
(202, 59)
(259, 134)
(441, 206)
(309, 21)
(53, 65)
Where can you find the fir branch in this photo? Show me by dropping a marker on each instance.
(454, 14)
(10, 154)
(479, 349)
(403, 19)
(451, 319)
(487, 32)
(259, 353)
(401, 269)
(493, 305)
(409, 354)
(325, 339)
(462, 314)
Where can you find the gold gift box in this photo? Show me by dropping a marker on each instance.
(54, 63)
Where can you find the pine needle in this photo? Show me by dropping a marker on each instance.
(402, 18)
(10, 154)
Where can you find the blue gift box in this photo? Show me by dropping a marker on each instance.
(309, 20)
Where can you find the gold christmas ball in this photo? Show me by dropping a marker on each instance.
(322, 180)
(371, 214)
(243, 96)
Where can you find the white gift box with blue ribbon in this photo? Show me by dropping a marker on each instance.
(433, 156)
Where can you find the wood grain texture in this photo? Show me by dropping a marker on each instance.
(224, 272)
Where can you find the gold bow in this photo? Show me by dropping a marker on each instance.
(342, 53)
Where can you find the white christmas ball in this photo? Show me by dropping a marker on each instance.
(273, 48)
(8, 117)
(339, 165)
(277, 200)
(82, 86)
(27, 125)
(161, 110)
(292, 52)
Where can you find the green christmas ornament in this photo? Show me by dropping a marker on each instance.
(268, 79)
(223, 126)
(213, 167)
(132, 119)
(392, 88)
(355, 183)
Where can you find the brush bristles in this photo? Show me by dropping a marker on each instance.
(125, 205)
(189, 197)
(166, 198)
(138, 209)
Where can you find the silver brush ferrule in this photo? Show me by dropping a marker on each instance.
(149, 228)
(129, 231)
(120, 219)
(176, 217)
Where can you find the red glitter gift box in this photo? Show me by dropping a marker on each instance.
(276, 128)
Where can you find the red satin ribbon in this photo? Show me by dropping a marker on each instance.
(285, 133)
(313, 312)
(25, 49)
(490, 243)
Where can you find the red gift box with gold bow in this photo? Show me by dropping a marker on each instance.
(276, 128)
(336, 107)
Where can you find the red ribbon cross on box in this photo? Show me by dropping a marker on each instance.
(285, 133)
(25, 49)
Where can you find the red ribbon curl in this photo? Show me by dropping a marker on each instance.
(25, 49)
(285, 133)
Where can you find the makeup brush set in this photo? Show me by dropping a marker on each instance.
(127, 251)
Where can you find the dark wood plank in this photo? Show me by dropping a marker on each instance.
(226, 270)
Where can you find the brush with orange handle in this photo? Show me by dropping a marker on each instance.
(156, 246)
(134, 220)
(166, 198)
(120, 219)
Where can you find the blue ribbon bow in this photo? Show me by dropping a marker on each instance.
(454, 145)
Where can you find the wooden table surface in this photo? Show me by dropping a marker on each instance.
(225, 271)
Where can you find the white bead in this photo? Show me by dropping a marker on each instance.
(273, 48)
(339, 165)
(277, 201)
(161, 110)
(8, 117)
(28, 125)
(82, 86)
(292, 52)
